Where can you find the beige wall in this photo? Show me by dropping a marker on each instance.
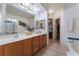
(0, 21)
(60, 14)
(72, 14)
(69, 12)
(43, 16)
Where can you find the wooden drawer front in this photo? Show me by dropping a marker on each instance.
(1, 51)
(14, 49)
(27, 47)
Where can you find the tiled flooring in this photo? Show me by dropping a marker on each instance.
(53, 49)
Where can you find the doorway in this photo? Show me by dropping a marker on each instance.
(50, 28)
(57, 21)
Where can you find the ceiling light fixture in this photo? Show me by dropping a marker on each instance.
(51, 11)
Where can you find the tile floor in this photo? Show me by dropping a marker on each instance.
(53, 49)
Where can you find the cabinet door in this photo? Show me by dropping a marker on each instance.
(41, 41)
(14, 49)
(45, 39)
(1, 51)
(35, 44)
(27, 47)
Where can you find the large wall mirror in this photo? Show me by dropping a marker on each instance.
(10, 26)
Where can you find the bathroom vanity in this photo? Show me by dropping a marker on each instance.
(23, 46)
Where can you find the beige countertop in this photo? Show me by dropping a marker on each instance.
(18, 37)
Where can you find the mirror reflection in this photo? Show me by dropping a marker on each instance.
(40, 24)
(10, 26)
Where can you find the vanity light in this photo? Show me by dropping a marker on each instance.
(14, 20)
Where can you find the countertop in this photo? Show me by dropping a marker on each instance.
(11, 39)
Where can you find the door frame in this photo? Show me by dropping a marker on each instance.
(57, 21)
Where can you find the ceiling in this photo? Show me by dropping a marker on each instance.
(53, 6)
(68, 5)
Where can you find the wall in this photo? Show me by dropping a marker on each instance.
(0, 21)
(60, 14)
(71, 12)
(68, 12)
(43, 16)
(2, 17)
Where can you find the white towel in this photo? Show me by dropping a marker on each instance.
(70, 24)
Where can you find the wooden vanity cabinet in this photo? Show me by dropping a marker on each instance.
(35, 44)
(39, 42)
(1, 51)
(27, 47)
(13, 49)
